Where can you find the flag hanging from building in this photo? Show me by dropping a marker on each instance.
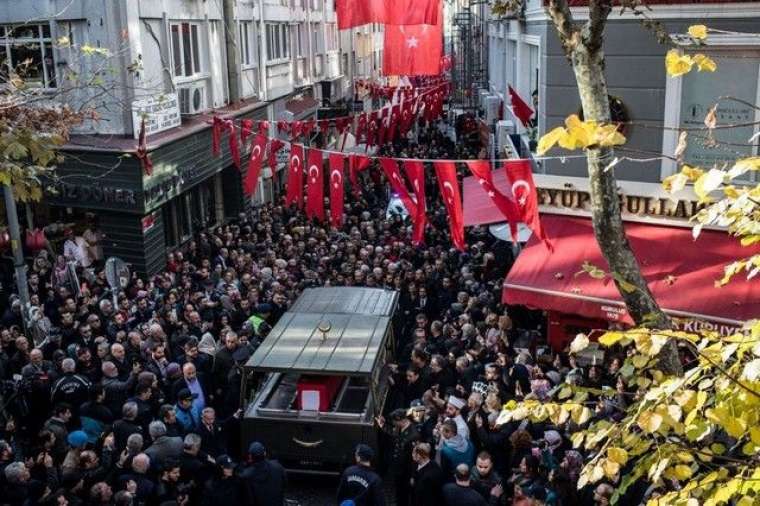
(520, 108)
(255, 162)
(415, 171)
(388, 12)
(337, 161)
(413, 50)
(315, 200)
(524, 193)
(294, 193)
(446, 173)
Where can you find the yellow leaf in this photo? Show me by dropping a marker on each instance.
(565, 392)
(549, 140)
(682, 472)
(705, 63)
(580, 414)
(675, 183)
(754, 434)
(608, 135)
(693, 173)
(577, 439)
(580, 134)
(677, 64)
(707, 183)
(610, 338)
(698, 31)
(618, 455)
(752, 370)
(611, 468)
(579, 343)
(63, 42)
(649, 421)
(639, 361)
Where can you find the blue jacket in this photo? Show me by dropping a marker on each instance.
(189, 419)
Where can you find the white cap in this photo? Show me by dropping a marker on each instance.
(456, 402)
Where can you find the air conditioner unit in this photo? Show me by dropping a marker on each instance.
(504, 129)
(482, 95)
(192, 98)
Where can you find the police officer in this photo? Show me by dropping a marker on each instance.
(359, 483)
(70, 388)
(404, 436)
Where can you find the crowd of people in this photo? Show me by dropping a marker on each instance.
(138, 401)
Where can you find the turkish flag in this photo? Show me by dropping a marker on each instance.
(520, 177)
(315, 190)
(481, 169)
(390, 167)
(446, 173)
(522, 110)
(413, 50)
(415, 171)
(233, 140)
(336, 189)
(274, 146)
(246, 129)
(255, 162)
(361, 127)
(356, 164)
(294, 194)
(400, 12)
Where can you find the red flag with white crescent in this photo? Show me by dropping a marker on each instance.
(413, 50)
(255, 162)
(274, 146)
(356, 164)
(294, 194)
(336, 189)
(520, 177)
(415, 171)
(446, 173)
(315, 190)
(390, 167)
(481, 169)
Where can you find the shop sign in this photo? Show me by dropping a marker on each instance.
(699, 326)
(641, 202)
(172, 185)
(160, 113)
(87, 193)
(148, 222)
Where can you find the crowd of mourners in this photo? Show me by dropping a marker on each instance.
(136, 400)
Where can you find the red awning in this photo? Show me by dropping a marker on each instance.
(681, 273)
(479, 209)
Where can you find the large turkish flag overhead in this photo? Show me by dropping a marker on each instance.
(413, 50)
(397, 12)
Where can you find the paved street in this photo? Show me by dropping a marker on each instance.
(320, 491)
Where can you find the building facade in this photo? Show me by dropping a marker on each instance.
(525, 52)
(175, 63)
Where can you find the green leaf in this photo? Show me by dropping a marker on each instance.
(624, 285)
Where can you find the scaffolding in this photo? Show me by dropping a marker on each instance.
(469, 46)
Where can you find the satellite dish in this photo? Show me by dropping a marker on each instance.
(117, 273)
(501, 231)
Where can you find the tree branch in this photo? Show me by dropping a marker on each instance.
(559, 11)
(593, 30)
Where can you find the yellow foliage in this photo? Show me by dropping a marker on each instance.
(705, 63)
(577, 134)
(698, 31)
(678, 64)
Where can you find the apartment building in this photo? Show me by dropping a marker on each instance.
(176, 63)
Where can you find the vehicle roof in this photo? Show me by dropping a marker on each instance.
(358, 318)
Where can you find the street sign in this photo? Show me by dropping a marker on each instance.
(117, 273)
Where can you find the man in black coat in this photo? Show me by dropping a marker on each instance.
(427, 481)
(359, 483)
(265, 478)
(460, 493)
(404, 437)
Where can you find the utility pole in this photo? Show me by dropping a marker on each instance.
(18, 254)
(233, 52)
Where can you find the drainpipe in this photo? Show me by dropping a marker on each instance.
(233, 56)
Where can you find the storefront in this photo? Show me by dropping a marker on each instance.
(143, 216)
(680, 271)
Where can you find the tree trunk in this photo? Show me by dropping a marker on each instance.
(588, 65)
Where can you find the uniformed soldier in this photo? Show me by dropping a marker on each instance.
(359, 483)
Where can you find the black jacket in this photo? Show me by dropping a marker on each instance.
(428, 485)
(457, 495)
(362, 485)
(266, 483)
(225, 491)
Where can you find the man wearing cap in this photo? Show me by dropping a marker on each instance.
(265, 478)
(225, 488)
(188, 414)
(359, 483)
(404, 436)
(454, 407)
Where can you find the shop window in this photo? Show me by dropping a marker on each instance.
(27, 51)
(186, 49)
(246, 33)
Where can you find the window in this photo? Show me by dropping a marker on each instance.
(512, 62)
(688, 99)
(185, 49)
(28, 51)
(301, 40)
(317, 42)
(332, 37)
(278, 41)
(246, 53)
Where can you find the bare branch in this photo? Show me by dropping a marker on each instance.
(593, 30)
(559, 11)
